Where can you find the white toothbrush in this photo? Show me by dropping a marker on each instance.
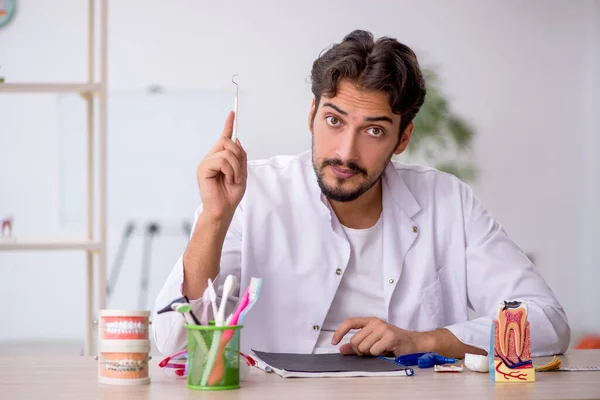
(228, 288)
(205, 302)
(212, 295)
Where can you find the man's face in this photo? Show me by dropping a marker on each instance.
(355, 135)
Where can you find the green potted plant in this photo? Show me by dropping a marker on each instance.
(442, 139)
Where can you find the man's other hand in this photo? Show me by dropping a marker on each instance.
(376, 337)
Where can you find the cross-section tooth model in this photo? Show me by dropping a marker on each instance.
(510, 345)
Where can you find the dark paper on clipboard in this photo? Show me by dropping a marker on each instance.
(290, 365)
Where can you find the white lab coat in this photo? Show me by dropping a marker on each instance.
(442, 253)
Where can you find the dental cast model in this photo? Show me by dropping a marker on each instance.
(510, 355)
(124, 324)
(125, 365)
(125, 327)
(123, 362)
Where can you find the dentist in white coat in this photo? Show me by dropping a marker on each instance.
(358, 253)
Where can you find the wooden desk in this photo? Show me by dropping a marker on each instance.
(76, 378)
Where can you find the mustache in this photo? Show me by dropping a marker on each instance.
(336, 162)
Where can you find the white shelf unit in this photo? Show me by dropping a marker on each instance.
(43, 244)
(50, 88)
(94, 244)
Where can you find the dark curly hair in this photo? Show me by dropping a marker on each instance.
(382, 64)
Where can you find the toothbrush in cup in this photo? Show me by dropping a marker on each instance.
(205, 303)
(247, 301)
(212, 295)
(181, 305)
(228, 288)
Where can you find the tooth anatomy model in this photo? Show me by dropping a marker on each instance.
(510, 345)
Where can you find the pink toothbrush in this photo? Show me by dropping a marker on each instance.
(249, 298)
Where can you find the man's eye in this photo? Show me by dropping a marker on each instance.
(333, 121)
(375, 131)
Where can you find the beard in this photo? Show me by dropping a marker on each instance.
(337, 192)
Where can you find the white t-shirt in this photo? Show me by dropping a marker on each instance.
(360, 293)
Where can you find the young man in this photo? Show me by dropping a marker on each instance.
(357, 254)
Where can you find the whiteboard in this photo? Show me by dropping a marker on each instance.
(154, 144)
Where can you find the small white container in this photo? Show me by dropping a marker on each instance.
(123, 362)
(124, 325)
(476, 362)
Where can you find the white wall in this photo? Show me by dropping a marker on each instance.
(525, 73)
(589, 315)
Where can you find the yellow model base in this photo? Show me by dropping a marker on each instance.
(504, 374)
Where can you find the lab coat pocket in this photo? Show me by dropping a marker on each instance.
(431, 297)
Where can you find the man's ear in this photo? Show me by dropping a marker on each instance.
(310, 115)
(405, 140)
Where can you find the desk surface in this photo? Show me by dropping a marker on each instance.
(76, 378)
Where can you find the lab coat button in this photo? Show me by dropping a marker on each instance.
(391, 281)
(338, 271)
(415, 229)
(316, 327)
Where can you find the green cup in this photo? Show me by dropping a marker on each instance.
(213, 357)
